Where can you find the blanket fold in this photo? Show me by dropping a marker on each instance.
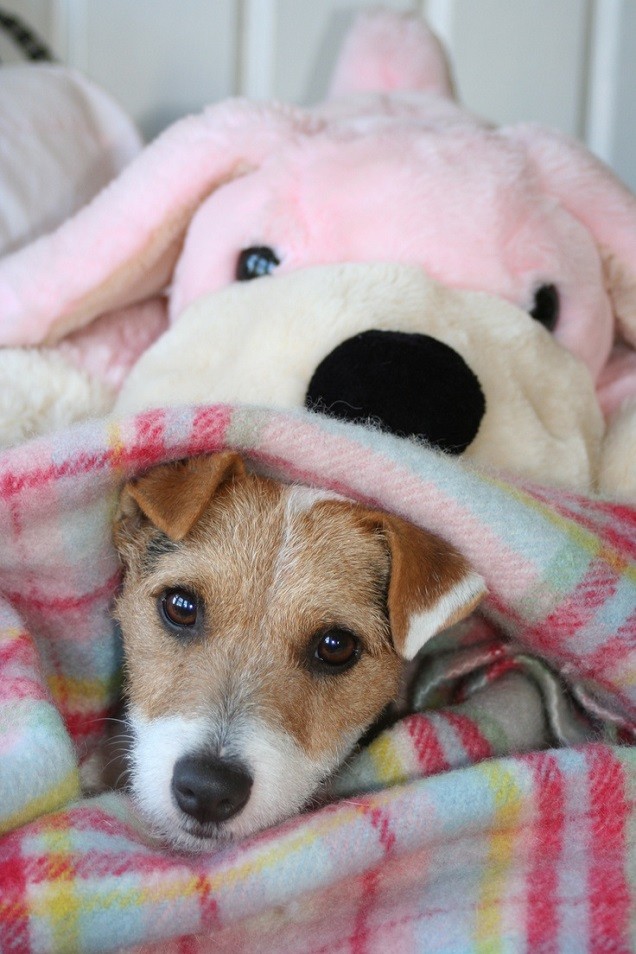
(478, 841)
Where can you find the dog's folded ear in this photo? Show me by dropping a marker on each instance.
(431, 585)
(173, 496)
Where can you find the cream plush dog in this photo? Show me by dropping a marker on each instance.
(465, 371)
(389, 169)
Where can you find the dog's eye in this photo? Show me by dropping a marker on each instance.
(336, 650)
(180, 608)
(255, 262)
(546, 306)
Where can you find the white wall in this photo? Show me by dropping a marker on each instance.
(569, 63)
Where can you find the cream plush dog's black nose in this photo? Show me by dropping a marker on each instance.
(410, 384)
(209, 789)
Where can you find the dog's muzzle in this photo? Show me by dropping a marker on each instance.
(409, 384)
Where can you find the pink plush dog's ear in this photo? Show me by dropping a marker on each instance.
(388, 51)
(122, 247)
(431, 585)
(600, 201)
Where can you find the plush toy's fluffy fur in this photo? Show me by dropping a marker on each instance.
(261, 343)
(390, 169)
(41, 392)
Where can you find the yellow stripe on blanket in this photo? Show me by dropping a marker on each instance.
(386, 761)
(58, 902)
(117, 445)
(81, 695)
(586, 539)
(292, 843)
(55, 797)
(492, 893)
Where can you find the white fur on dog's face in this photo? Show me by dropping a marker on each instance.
(272, 568)
(285, 778)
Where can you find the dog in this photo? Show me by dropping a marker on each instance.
(265, 628)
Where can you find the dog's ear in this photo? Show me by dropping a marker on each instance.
(173, 496)
(431, 585)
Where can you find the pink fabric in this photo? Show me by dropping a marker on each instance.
(394, 176)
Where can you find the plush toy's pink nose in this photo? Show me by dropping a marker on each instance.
(410, 384)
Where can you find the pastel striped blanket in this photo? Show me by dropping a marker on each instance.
(452, 831)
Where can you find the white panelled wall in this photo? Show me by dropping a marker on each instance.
(568, 63)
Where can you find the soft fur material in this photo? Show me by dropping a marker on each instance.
(262, 343)
(402, 174)
(41, 392)
(62, 139)
(522, 213)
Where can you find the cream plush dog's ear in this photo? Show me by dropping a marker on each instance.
(123, 246)
(173, 496)
(431, 585)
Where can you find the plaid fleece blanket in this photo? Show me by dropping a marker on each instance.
(451, 831)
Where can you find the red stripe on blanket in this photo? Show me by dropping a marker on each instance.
(539, 637)
(114, 861)
(554, 634)
(369, 882)
(209, 429)
(615, 650)
(17, 651)
(609, 889)
(20, 688)
(428, 750)
(610, 521)
(542, 913)
(596, 587)
(12, 484)
(149, 445)
(205, 431)
(19, 669)
(476, 745)
(208, 906)
(84, 726)
(65, 604)
(14, 911)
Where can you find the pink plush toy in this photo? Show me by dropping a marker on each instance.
(389, 169)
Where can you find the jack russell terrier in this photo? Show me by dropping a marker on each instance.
(265, 628)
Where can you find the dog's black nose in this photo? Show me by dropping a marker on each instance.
(410, 384)
(210, 789)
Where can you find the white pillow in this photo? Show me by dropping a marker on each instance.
(61, 140)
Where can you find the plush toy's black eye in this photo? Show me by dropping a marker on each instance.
(255, 262)
(546, 306)
(180, 608)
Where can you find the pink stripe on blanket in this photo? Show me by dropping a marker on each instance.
(428, 748)
(596, 587)
(20, 668)
(620, 530)
(370, 881)
(542, 912)
(609, 889)
(614, 656)
(476, 746)
(156, 436)
(66, 604)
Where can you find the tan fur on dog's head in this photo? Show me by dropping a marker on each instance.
(304, 607)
